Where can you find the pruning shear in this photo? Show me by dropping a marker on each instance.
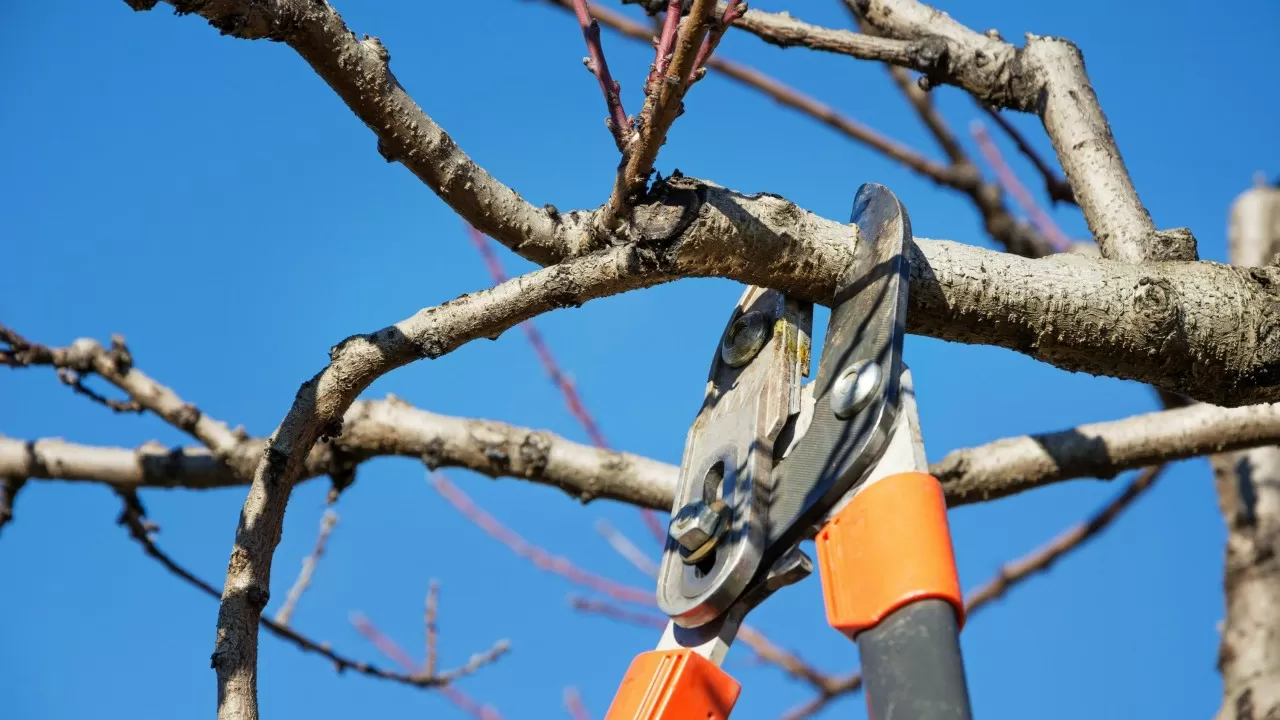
(769, 463)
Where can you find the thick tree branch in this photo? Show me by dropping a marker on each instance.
(1046, 76)
(1248, 486)
(1102, 450)
(378, 428)
(1210, 327)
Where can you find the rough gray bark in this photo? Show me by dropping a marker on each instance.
(375, 428)
(1248, 485)
(371, 428)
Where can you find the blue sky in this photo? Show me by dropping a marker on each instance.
(213, 201)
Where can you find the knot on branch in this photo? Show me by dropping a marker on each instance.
(535, 454)
(932, 57)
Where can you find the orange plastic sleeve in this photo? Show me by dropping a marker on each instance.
(889, 547)
(674, 685)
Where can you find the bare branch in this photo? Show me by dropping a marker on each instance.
(541, 559)
(789, 97)
(140, 529)
(392, 650)
(663, 104)
(327, 523)
(551, 366)
(1047, 76)
(115, 365)
(430, 615)
(1042, 558)
(1102, 449)
(374, 428)
(318, 409)
(619, 123)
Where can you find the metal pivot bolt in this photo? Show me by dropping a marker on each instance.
(854, 387)
(697, 527)
(746, 336)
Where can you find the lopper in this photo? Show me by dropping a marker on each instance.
(770, 462)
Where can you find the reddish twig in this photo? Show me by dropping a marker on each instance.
(732, 11)
(540, 558)
(1009, 180)
(664, 45)
(549, 365)
(391, 649)
(627, 549)
(573, 704)
(327, 523)
(618, 122)
(1057, 187)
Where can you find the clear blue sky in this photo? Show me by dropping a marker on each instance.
(212, 200)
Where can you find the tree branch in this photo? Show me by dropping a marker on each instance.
(1102, 449)
(663, 104)
(134, 519)
(1047, 77)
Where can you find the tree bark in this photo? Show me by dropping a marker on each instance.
(1248, 485)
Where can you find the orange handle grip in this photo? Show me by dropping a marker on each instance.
(674, 685)
(889, 547)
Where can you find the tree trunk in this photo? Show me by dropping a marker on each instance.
(1248, 485)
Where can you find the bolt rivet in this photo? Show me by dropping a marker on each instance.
(746, 336)
(854, 388)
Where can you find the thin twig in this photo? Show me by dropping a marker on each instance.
(1009, 180)
(327, 522)
(551, 367)
(1055, 185)
(732, 11)
(627, 549)
(661, 107)
(140, 529)
(391, 649)
(573, 700)
(540, 558)
(619, 124)
(1014, 572)
(664, 45)
(431, 613)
